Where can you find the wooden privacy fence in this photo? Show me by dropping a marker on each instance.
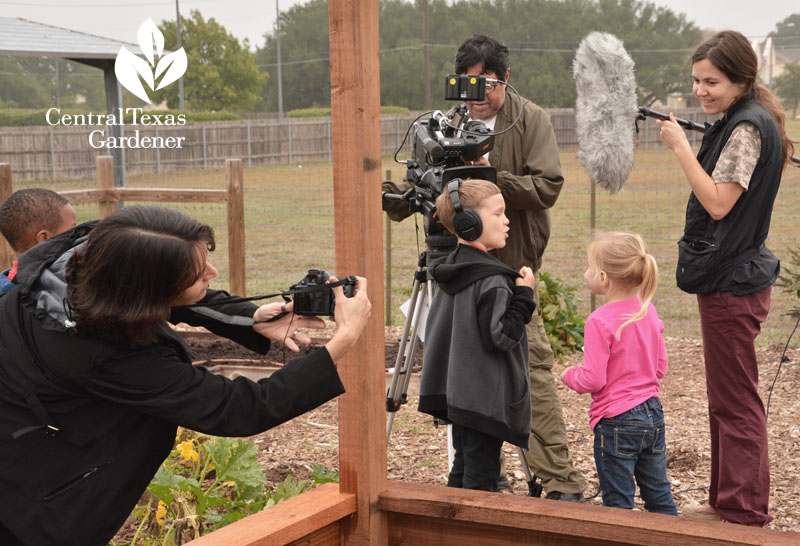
(106, 195)
(64, 152)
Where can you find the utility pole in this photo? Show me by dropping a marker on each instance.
(180, 80)
(426, 55)
(278, 36)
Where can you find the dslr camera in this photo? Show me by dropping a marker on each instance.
(314, 297)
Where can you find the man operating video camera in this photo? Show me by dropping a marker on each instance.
(530, 180)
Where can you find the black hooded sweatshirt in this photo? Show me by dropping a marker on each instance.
(475, 370)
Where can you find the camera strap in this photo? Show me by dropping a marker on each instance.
(238, 320)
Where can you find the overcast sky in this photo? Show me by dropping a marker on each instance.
(252, 18)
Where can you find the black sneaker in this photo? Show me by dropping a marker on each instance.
(503, 485)
(567, 497)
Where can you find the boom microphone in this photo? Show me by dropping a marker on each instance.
(686, 124)
(605, 109)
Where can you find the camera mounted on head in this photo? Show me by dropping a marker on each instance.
(313, 295)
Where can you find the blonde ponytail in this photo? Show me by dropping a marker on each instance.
(646, 292)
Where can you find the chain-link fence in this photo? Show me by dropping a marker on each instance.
(289, 223)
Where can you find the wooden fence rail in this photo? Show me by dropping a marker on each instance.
(106, 195)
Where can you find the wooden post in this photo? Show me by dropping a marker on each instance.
(105, 183)
(234, 178)
(6, 252)
(355, 121)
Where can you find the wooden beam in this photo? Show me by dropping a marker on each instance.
(234, 176)
(294, 519)
(105, 183)
(80, 197)
(169, 195)
(77, 197)
(355, 130)
(444, 516)
(7, 254)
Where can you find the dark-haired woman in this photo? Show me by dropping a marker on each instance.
(94, 382)
(722, 258)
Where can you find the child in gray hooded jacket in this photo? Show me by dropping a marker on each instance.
(475, 369)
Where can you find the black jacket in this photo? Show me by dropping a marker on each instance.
(730, 254)
(113, 411)
(475, 371)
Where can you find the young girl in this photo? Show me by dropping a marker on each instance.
(624, 359)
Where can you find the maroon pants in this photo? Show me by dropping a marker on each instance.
(739, 488)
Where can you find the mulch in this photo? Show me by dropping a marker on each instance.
(418, 450)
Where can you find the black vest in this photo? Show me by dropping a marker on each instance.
(729, 254)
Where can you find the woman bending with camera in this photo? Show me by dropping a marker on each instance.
(94, 382)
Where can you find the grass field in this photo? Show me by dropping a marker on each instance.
(289, 228)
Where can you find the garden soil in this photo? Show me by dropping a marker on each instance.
(418, 450)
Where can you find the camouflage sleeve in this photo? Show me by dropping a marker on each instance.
(738, 159)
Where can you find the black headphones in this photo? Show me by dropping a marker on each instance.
(466, 222)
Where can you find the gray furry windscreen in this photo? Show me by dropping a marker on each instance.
(605, 109)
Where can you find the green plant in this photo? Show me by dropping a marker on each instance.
(562, 321)
(206, 483)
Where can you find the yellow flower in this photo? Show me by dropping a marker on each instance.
(161, 513)
(188, 452)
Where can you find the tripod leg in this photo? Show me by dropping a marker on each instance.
(397, 393)
(534, 488)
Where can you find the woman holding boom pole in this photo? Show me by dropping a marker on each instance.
(722, 258)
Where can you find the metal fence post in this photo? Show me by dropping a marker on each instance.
(158, 155)
(330, 142)
(205, 152)
(52, 155)
(249, 149)
(289, 126)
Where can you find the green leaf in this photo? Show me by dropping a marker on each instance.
(235, 460)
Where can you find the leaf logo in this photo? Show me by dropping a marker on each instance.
(131, 70)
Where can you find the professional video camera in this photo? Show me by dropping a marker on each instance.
(442, 143)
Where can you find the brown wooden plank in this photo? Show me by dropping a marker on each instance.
(105, 183)
(566, 521)
(234, 176)
(405, 530)
(169, 195)
(292, 521)
(327, 536)
(7, 254)
(355, 130)
(78, 197)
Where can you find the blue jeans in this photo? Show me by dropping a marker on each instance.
(632, 445)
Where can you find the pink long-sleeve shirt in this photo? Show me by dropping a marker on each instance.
(620, 374)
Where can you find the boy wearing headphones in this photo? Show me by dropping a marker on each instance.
(475, 369)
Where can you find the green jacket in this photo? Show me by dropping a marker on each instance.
(529, 176)
(530, 179)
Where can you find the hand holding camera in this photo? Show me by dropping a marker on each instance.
(284, 329)
(351, 316)
(345, 302)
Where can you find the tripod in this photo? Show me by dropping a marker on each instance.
(421, 293)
